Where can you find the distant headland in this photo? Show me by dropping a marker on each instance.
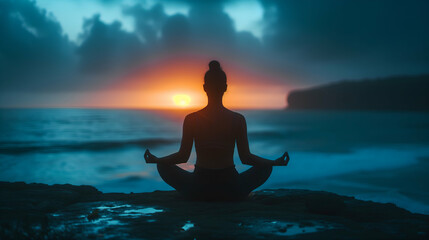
(399, 93)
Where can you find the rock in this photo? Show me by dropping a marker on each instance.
(34, 211)
(325, 204)
(95, 214)
(399, 93)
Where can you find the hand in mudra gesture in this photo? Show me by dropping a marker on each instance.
(149, 157)
(283, 160)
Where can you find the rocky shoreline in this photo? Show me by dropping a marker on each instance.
(40, 211)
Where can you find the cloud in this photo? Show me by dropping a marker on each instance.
(148, 22)
(312, 41)
(105, 52)
(34, 53)
(212, 27)
(357, 37)
(176, 33)
(106, 49)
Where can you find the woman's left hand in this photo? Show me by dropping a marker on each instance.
(283, 160)
(149, 157)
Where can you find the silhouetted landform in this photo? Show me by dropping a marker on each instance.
(402, 93)
(40, 211)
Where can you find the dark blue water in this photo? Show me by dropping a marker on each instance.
(380, 156)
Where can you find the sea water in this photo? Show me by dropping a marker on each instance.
(379, 156)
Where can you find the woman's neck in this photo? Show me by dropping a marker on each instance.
(215, 102)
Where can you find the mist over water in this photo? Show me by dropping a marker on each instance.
(379, 156)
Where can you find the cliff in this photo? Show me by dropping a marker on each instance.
(406, 93)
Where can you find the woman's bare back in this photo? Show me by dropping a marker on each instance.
(215, 132)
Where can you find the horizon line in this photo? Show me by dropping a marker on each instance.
(133, 108)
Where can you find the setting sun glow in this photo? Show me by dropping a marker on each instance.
(178, 84)
(181, 100)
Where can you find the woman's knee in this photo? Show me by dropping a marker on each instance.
(160, 166)
(163, 169)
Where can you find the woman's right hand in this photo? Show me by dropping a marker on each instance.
(149, 157)
(283, 160)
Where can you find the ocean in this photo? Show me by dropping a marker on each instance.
(378, 156)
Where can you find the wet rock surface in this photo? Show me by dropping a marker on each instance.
(40, 211)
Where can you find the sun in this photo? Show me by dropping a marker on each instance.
(181, 100)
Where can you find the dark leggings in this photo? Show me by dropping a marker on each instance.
(214, 184)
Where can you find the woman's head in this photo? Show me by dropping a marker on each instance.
(215, 79)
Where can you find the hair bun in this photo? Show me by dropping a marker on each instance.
(214, 66)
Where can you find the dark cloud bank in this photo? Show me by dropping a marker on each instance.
(313, 41)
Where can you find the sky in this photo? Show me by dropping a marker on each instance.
(145, 53)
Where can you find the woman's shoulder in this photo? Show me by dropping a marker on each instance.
(194, 115)
(236, 115)
(191, 116)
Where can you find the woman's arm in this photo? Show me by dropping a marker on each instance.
(184, 152)
(247, 157)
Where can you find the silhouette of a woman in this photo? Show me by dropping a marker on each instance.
(215, 130)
